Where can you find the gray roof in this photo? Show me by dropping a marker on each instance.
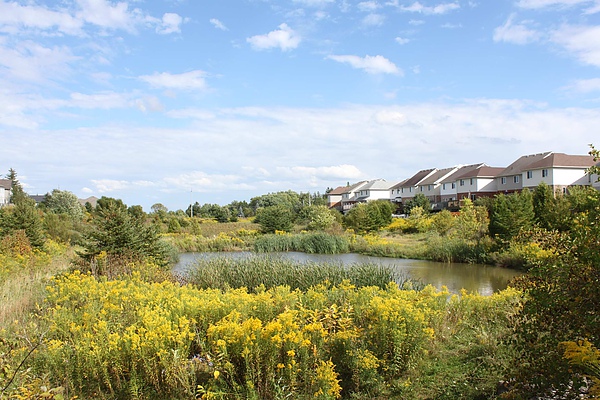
(5, 184)
(377, 184)
(483, 171)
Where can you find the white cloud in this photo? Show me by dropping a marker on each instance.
(109, 185)
(192, 80)
(344, 171)
(33, 62)
(451, 26)
(149, 103)
(14, 16)
(373, 20)
(368, 6)
(593, 10)
(106, 100)
(200, 181)
(585, 85)
(515, 33)
(401, 40)
(143, 165)
(171, 23)
(218, 24)
(71, 18)
(422, 9)
(108, 15)
(371, 64)
(284, 38)
(547, 3)
(314, 3)
(581, 41)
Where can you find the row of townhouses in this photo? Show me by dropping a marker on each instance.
(5, 190)
(447, 186)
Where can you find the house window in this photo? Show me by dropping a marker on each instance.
(516, 179)
(453, 185)
(429, 187)
(444, 186)
(529, 174)
(544, 173)
(421, 187)
(471, 181)
(504, 181)
(410, 189)
(462, 182)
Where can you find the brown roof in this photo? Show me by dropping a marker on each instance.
(339, 190)
(418, 177)
(436, 176)
(523, 163)
(483, 172)
(398, 185)
(563, 160)
(348, 189)
(6, 184)
(461, 171)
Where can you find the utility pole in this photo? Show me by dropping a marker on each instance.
(191, 205)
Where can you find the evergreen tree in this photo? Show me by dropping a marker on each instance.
(511, 214)
(17, 193)
(275, 218)
(543, 204)
(120, 233)
(25, 216)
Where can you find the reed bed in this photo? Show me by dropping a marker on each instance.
(311, 243)
(268, 272)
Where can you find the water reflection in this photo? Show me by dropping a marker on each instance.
(484, 279)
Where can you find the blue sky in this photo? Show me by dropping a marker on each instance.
(213, 101)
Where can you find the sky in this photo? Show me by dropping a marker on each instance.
(178, 101)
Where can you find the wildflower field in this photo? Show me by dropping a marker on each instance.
(130, 338)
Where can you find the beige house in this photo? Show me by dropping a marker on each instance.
(407, 189)
(478, 182)
(431, 186)
(559, 171)
(511, 178)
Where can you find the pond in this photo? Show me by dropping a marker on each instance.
(483, 279)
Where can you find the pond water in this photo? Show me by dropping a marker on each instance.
(483, 279)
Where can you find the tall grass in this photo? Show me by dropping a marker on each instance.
(256, 271)
(312, 243)
(455, 249)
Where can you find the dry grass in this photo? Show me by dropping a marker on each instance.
(22, 290)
